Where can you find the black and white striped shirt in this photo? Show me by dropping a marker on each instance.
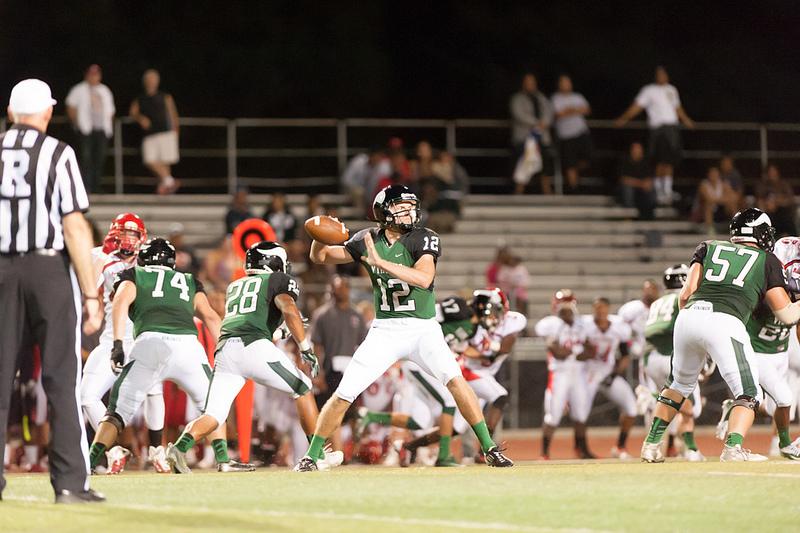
(39, 184)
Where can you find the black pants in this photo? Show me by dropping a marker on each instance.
(39, 300)
(93, 158)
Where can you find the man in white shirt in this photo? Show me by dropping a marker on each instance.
(90, 107)
(664, 114)
(574, 141)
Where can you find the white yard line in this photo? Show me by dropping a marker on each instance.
(756, 474)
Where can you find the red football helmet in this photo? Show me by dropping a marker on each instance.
(126, 234)
(564, 298)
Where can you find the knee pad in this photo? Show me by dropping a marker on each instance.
(670, 403)
(115, 420)
(746, 401)
(501, 402)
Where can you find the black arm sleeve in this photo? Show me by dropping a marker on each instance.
(700, 253)
(198, 285)
(355, 245)
(280, 283)
(455, 309)
(424, 241)
(125, 275)
(623, 349)
(774, 272)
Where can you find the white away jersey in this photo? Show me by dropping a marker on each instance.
(606, 342)
(635, 314)
(787, 250)
(111, 267)
(553, 329)
(513, 322)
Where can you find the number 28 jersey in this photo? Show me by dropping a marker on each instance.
(735, 277)
(164, 300)
(250, 310)
(395, 298)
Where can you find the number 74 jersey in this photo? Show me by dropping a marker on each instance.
(395, 298)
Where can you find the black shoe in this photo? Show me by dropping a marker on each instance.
(494, 457)
(235, 466)
(84, 496)
(584, 453)
(306, 464)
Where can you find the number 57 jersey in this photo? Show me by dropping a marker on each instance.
(395, 298)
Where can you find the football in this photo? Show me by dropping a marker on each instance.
(327, 230)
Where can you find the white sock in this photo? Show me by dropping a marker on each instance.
(31, 453)
(7, 453)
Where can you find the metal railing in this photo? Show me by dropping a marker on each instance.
(480, 144)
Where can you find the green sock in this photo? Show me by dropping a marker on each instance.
(734, 439)
(315, 449)
(784, 438)
(444, 447)
(185, 443)
(656, 430)
(688, 439)
(384, 419)
(95, 453)
(482, 432)
(412, 424)
(220, 447)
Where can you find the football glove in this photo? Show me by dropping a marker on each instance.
(309, 357)
(117, 357)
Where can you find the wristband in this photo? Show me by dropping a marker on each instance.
(117, 344)
(305, 345)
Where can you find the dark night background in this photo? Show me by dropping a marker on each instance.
(435, 59)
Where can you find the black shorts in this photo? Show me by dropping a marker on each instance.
(548, 161)
(575, 150)
(665, 145)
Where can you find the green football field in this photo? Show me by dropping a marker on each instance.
(599, 496)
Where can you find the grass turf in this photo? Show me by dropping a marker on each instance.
(591, 496)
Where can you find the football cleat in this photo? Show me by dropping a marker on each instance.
(722, 425)
(177, 460)
(651, 452)
(117, 459)
(158, 458)
(85, 496)
(792, 451)
(620, 453)
(392, 457)
(448, 461)
(306, 464)
(694, 456)
(361, 423)
(584, 453)
(775, 447)
(235, 466)
(494, 457)
(332, 459)
(738, 454)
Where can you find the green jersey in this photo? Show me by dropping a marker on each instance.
(395, 298)
(250, 310)
(767, 334)
(455, 317)
(661, 323)
(164, 300)
(735, 277)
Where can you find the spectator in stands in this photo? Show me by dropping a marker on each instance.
(362, 175)
(716, 201)
(90, 107)
(220, 265)
(281, 218)
(314, 207)
(636, 182)
(239, 210)
(450, 171)
(422, 165)
(731, 175)
(185, 256)
(531, 114)
(775, 196)
(514, 280)
(574, 140)
(157, 115)
(502, 258)
(664, 114)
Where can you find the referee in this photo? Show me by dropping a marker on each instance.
(42, 228)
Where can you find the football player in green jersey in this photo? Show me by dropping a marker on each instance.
(161, 302)
(658, 358)
(400, 257)
(254, 308)
(726, 282)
